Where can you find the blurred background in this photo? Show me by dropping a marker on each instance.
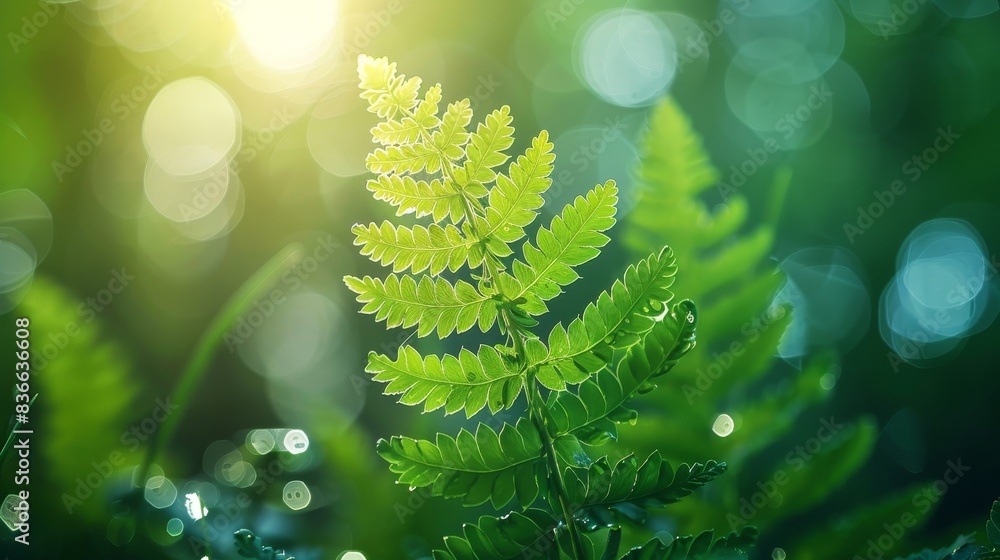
(155, 154)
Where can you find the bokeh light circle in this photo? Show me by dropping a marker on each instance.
(190, 127)
(829, 300)
(944, 291)
(627, 57)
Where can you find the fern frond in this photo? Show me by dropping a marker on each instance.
(478, 468)
(619, 318)
(485, 151)
(592, 411)
(436, 198)
(430, 304)
(416, 249)
(516, 197)
(628, 488)
(736, 546)
(515, 535)
(621, 342)
(677, 157)
(468, 381)
(573, 238)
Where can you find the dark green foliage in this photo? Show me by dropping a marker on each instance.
(965, 547)
(463, 270)
(736, 546)
(726, 269)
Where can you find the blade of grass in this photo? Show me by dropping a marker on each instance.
(238, 304)
(776, 198)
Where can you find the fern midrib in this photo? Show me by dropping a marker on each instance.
(436, 305)
(400, 194)
(369, 238)
(427, 379)
(467, 469)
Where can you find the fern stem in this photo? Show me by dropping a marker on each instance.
(537, 414)
(251, 290)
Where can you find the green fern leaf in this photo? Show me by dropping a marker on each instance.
(421, 198)
(429, 304)
(486, 151)
(468, 381)
(404, 159)
(516, 197)
(605, 491)
(416, 249)
(619, 318)
(387, 94)
(736, 546)
(478, 468)
(452, 136)
(407, 130)
(993, 525)
(572, 239)
(392, 132)
(592, 411)
(515, 535)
